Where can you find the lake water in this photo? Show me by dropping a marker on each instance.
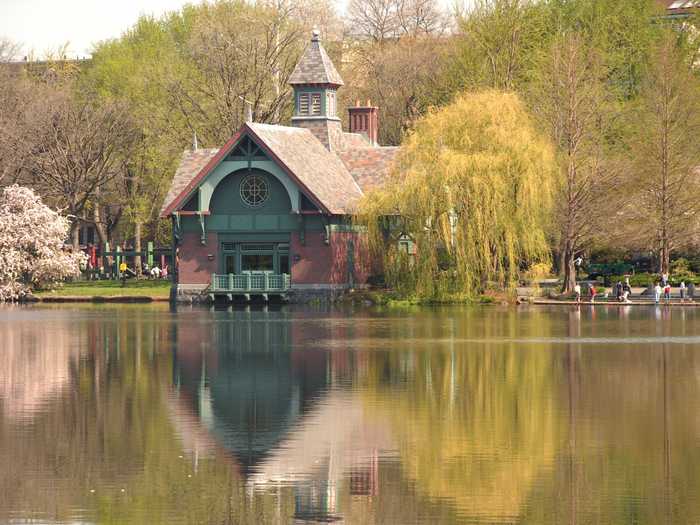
(143, 415)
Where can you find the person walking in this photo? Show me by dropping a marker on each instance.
(681, 289)
(657, 293)
(577, 292)
(592, 291)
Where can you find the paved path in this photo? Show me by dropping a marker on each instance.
(612, 302)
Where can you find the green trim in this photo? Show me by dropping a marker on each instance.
(323, 91)
(254, 237)
(348, 228)
(226, 167)
(277, 250)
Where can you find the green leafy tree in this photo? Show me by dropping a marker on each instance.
(473, 189)
(572, 103)
(664, 155)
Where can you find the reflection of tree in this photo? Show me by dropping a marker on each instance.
(635, 456)
(496, 431)
(475, 423)
(31, 377)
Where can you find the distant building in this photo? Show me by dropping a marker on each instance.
(270, 211)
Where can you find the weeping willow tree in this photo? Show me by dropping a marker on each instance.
(467, 205)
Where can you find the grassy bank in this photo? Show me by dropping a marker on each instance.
(134, 288)
(392, 299)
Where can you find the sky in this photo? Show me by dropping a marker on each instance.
(46, 25)
(42, 25)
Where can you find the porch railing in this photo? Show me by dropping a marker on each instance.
(250, 282)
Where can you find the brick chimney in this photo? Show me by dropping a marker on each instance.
(365, 120)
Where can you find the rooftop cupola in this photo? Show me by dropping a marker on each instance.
(315, 81)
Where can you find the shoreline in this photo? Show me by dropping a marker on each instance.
(97, 299)
(555, 302)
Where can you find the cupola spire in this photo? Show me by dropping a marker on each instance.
(315, 66)
(315, 81)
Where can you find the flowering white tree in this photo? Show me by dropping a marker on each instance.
(32, 254)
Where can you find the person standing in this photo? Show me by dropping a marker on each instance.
(664, 279)
(691, 291)
(682, 291)
(593, 292)
(657, 293)
(667, 293)
(618, 291)
(122, 272)
(626, 290)
(577, 292)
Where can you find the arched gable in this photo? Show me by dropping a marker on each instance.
(271, 170)
(227, 196)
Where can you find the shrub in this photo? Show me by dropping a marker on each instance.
(31, 245)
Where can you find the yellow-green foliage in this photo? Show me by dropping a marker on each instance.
(481, 158)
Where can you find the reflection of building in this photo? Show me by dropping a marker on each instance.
(252, 386)
(245, 384)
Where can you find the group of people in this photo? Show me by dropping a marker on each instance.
(623, 291)
(685, 292)
(153, 272)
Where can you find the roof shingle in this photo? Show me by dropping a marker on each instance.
(315, 66)
(369, 166)
(191, 164)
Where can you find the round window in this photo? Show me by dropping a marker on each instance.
(254, 190)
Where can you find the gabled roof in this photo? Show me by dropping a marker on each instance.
(315, 66)
(369, 166)
(318, 172)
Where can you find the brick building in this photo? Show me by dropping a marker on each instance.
(270, 211)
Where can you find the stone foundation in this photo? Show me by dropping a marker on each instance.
(299, 294)
(190, 294)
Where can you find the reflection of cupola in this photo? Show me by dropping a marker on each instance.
(315, 81)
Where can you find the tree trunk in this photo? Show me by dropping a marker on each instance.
(665, 257)
(99, 227)
(137, 246)
(569, 268)
(560, 262)
(75, 234)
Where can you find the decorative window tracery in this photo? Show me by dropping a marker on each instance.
(254, 190)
